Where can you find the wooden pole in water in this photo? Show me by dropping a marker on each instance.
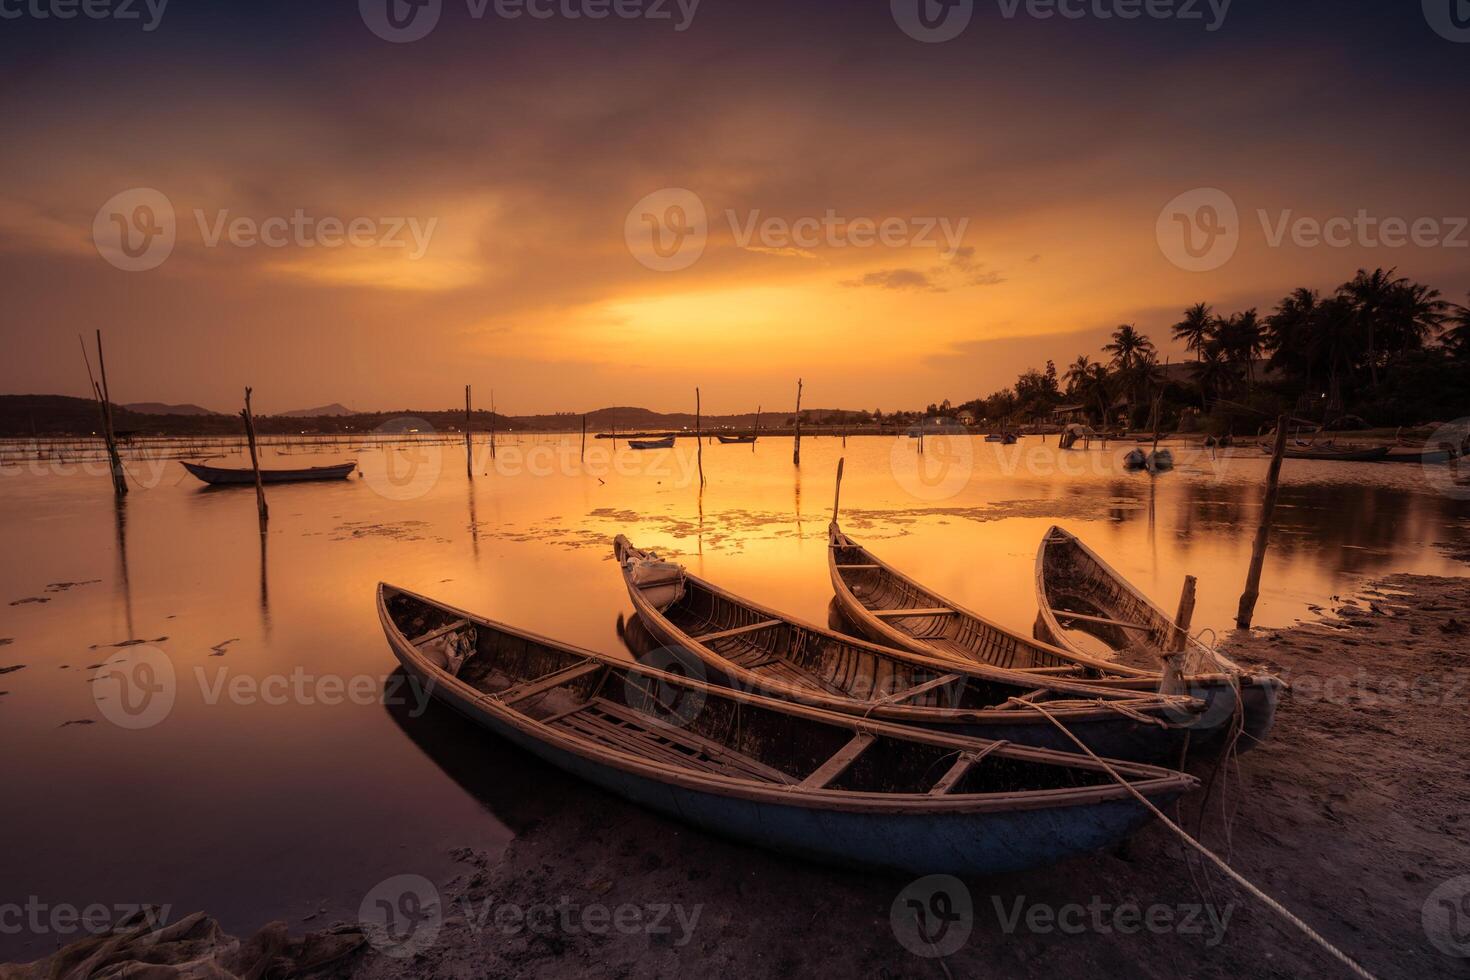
(584, 438)
(469, 449)
(837, 494)
(1185, 615)
(114, 461)
(796, 451)
(260, 504)
(757, 427)
(698, 441)
(492, 423)
(1247, 610)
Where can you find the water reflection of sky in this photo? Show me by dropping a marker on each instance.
(255, 810)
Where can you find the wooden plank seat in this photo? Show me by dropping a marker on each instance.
(962, 765)
(738, 630)
(919, 689)
(839, 762)
(900, 613)
(547, 681)
(620, 727)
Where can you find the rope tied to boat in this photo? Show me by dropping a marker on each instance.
(1117, 706)
(1210, 855)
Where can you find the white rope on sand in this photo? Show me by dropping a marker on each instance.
(1230, 872)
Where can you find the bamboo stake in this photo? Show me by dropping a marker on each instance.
(757, 427)
(837, 494)
(255, 462)
(492, 423)
(1252, 592)
(584, 438)
(698, 441)
(469, 449)
(114, 461)
(796, 451)
(1185, 615)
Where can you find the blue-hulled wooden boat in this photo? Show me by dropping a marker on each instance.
(229, 476)
(822, 786)
(733, 641)
(890, 607)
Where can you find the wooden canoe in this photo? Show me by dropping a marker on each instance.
(1129, 627)
(230, 476)
(1424, 455)
(667, 442)
(736, 440)
(741, 644)
(818, 785)
(892, 608)
(1345, 454)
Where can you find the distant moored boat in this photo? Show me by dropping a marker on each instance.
(230, 476)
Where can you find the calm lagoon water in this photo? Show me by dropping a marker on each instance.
(278, 784)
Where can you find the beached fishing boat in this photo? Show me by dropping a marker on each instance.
(1326, 451)
(818, 785)
(1085, 602)
(1422, 455)
(229, 476)
(733, 641)
(667, 442)
(892, 608)
(736, 440)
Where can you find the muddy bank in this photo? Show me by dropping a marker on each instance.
(1353, 814)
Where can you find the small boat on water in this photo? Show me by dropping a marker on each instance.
(1423, 455)
(892, 608)
(1077, 591)
(667, 442)
(1327, 451)
(231, 476)
(1004, 438)
(716, 634)
(1156, 461)
(736, 440)
(820, 786)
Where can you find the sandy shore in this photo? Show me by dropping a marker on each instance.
(1351, 815)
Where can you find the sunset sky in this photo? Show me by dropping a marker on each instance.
(519, 148)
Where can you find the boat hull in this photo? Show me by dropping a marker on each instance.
(1114, 735)
(919, 843)
(224, 476)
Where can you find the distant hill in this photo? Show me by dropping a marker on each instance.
(332, 411)
(159, 408)
(23, 415)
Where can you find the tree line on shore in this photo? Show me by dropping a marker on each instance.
(1381, 349)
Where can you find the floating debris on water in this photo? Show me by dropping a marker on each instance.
(68, 586)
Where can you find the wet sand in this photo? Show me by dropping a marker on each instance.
(1351, 815)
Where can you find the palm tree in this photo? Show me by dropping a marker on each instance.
(1458, 335)
(1077, 373)
(1290, 332)
(1129, 347)
(1372, 294)
(1195, 328)
(1213, 372)
(1417, 314)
